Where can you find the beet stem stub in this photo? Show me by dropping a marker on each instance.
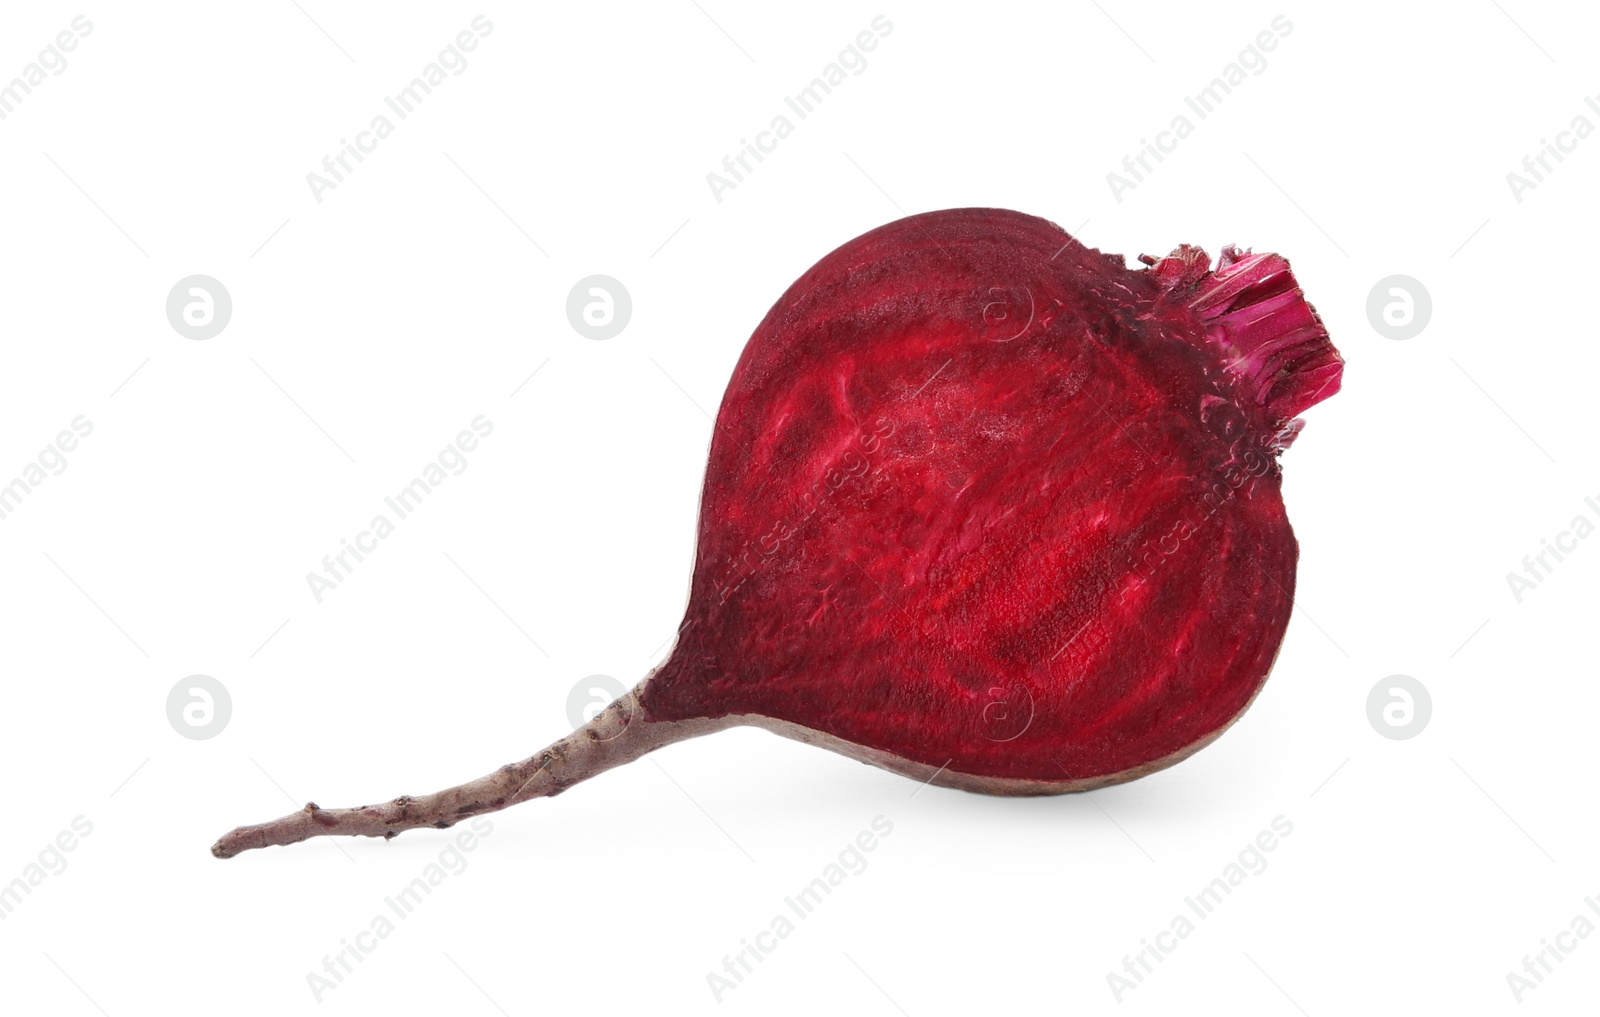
(1271, 339)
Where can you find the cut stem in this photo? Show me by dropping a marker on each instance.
(618, 734)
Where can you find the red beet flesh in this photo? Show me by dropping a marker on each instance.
(982, 498)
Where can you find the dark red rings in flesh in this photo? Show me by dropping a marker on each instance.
(982, 498)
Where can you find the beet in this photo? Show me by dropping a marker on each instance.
(984, 507)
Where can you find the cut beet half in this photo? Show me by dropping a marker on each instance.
(984, 501)
(984, 507)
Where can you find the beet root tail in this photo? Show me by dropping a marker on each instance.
(618, 734)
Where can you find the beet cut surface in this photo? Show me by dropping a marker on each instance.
(983, 506)
(981, 496)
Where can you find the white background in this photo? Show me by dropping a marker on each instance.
(371, 327)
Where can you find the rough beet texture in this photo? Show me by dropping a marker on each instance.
(984, 498)
(984, 507)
